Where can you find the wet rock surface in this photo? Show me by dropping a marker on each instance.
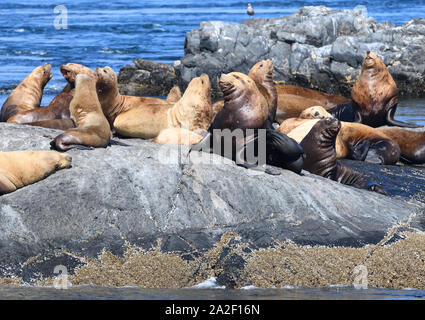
(149, 215)
(315, 47)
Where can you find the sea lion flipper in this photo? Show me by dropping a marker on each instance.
(359, 151)
(374, 187)
(283, 143)
(392, 122)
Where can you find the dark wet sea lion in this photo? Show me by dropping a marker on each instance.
(374, 97)
(244, 114)
(411, 143)
(319, 146)
(93, 129)
(59, 106)
(27, 95)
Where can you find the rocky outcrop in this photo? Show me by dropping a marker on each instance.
(315, 47)
(151, 215)
(146, 78)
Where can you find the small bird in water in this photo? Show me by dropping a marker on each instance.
(250, 10)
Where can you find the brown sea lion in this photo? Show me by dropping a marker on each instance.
(177, 136)
(374, 97)
(292, 100)
(411, 143)
(262, 74)
(142, 117)
(92, 127)
(21, 168)
(27, 95)
(319, 146)
(59, 124)
(59, 106)
(354, 141)
(237, 127)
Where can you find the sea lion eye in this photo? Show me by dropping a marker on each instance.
(261, 65)
(202, 81)
(104, 71)
(316, 113)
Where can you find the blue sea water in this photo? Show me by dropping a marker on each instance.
(113, 33)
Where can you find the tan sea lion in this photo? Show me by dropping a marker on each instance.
(315, 112)
(142, 117)
(93, 129)
(374, 97)
(59, 106)
(262, 74)
(21, 168)
(27, 95)
(319, 146)
(292, 100)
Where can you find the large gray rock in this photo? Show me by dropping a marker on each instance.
(145, 192)
(315, 47)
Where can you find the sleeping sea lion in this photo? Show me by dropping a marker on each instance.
(374, 97)
(21, 168)
(292, 100)
(27, 95)
(92, 127)
(319, 146)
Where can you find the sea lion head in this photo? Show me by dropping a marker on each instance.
(200, 86)
(235, 84)
(315, 112)
(373, 61)
(106, 79)
(328, 128)
(71, 70)
(42, 74)
(262, 71)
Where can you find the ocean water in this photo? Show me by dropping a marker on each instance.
(113, 33)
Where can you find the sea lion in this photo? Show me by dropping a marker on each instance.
(27, 95)
(59, 106)
(315, 112)
(20, 168)
(374, 97)
(177, 136)
(262, 74)
(92, 127)
(411, 143)
(244, 114)
(59, 124)
(319, 146)
(142, 117)
(354, 141)
(292, 100)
